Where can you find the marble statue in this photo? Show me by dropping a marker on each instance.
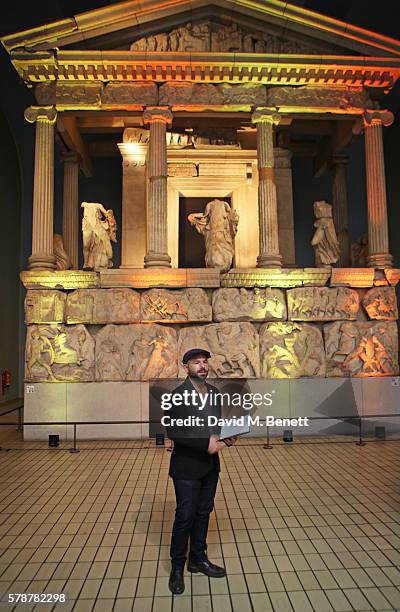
(291, 350)
(218, 224)
(361, 349)
(325, 242)
(99, 230)
(59, 353)
(63, 261)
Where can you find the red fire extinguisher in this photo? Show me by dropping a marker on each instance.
(5, 380)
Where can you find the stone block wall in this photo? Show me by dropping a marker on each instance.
(124, 334)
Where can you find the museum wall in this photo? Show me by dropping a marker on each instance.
(10, 189)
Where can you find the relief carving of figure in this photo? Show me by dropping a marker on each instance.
(109, 358)
(218, 224)
(99, 230)
(325, 242)
(41, 353)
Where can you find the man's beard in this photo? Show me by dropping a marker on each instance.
(198, 375)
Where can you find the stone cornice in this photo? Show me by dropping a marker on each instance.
(283, 69)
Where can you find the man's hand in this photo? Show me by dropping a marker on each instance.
(215, 445)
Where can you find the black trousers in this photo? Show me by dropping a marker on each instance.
(194, 503)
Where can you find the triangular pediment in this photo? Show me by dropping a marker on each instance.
(220, 26)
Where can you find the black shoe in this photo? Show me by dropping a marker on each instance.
(176, 583)
(207, 568)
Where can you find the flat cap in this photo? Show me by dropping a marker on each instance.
(193, 353)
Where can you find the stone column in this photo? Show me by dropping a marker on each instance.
(157, 200)
(134, 151)
(378, 235)
(340, 216)
(42, 257)
(284, 195)
(269, 256)
(71, 206)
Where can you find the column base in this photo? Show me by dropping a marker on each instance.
(380, 260)
(269, 260)
(157, 260)
(41, 261)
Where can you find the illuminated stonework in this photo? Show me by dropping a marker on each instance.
(361, 349)
(291, 350)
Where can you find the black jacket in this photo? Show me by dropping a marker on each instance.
(190, 458)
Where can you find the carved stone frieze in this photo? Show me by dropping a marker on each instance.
(136, 135)
(291, 350)
(44, 307)
(182, 170)
(130, 93)
(175, 306)
(249, 304)
(103, 306)
(361, 349)
(332, 97)
(220, 38)
(69, 94)
(322, 304)
(57, 353)
(136, 352)
(243, 93)
(381, 303)
(234, 348)
(192, 94)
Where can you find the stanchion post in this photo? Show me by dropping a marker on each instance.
(360, 440)
(74, 449)
(267, 445)
(20, 428)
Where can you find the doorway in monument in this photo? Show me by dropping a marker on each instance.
(191, 243)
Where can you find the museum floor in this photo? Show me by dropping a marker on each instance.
(301, 527)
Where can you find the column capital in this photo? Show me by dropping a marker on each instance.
(261, 115)
(46, 114)
(377, 117)
(157, 114)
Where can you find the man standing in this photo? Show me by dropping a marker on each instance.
(194, 469)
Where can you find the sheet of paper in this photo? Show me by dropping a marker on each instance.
(229, 430)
